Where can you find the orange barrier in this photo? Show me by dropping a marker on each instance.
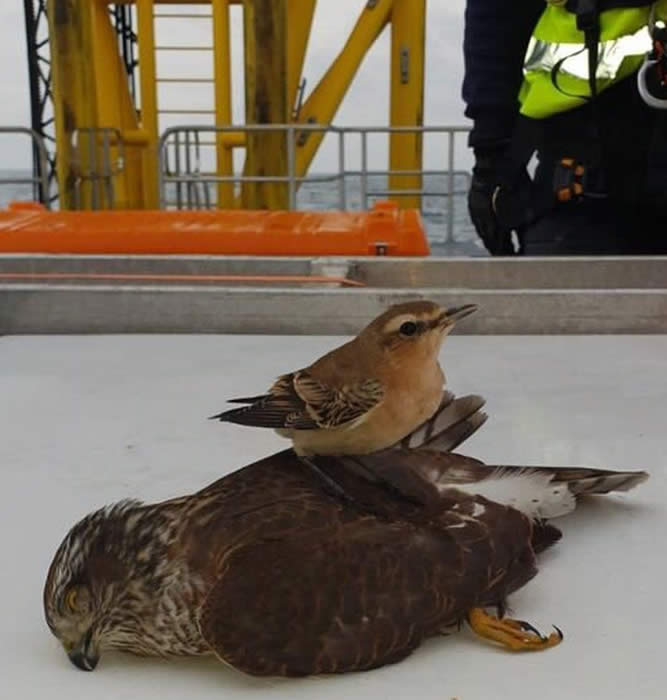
(385, 230)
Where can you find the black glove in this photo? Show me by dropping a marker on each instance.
(499, 200)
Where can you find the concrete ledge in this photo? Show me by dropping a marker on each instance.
(514, 273)
(156, 264)
(516, 295)
(469, 273)
(64, 308)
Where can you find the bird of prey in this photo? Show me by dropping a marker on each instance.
(366, 394)
(275, 576)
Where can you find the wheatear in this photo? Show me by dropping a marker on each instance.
(365, 395)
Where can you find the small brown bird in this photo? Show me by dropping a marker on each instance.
(365, 395)
(272, 575)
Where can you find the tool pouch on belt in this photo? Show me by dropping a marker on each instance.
(574, 179)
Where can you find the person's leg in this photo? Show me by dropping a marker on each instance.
(597, 227)
(584, 228)
(647, 233)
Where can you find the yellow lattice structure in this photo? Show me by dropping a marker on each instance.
(98, 122)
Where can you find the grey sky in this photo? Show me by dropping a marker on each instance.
(366, 103)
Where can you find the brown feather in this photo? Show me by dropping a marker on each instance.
(454, 421)
(356, 590)
(276, 576)
(421, 473)
(298, 401)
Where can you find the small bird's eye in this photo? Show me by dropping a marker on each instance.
(70, 600)
(408, 328)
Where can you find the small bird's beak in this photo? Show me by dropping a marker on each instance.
(456, 313)
(84, 655)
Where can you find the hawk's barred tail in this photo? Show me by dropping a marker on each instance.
(580, 480)
(455, 421)
(584, 480)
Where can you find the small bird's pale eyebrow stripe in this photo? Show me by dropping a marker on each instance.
(395, 323)
(430, 319)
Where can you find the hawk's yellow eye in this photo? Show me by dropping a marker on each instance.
(70, 599)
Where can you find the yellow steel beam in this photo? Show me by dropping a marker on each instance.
(408, 27)
(222, 70)
(135, 137)
(93, 105)
(148, 87)
(323, 102)
(233, 139)
(74, 106)
(115, 110)
(265, 36)
(276, 34)
(171, 2)
(299, 22)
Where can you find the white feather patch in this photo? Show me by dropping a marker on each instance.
(530, 491)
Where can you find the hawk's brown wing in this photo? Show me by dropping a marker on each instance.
(368, 593)
(420, 475)
(298, 401)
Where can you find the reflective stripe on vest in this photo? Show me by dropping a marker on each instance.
(556, 42)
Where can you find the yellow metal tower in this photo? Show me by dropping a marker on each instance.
(103, 137)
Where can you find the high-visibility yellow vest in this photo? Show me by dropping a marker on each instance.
(556, 42)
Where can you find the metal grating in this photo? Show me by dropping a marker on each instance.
(123, 21)
(41, 98)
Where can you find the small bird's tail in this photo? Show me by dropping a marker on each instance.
(246, 399)
(583, 480)
(454, 422)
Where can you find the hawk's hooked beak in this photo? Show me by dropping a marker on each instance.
(456, 313)
(83, 655)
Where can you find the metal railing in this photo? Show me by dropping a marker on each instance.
(97, 165)
(39, 183)
(181, 165)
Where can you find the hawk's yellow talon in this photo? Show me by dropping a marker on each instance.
(521, 625)
(514, 634)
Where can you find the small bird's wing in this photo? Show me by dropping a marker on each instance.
(247, 399)
(298, 401)
(330, 407)
(280, 407)
(363, 594)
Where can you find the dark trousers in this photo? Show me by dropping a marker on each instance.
(597, 227)
(632, 219)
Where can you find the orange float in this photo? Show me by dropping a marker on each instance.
(384, 230)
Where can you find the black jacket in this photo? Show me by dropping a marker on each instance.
(632, 137)
(495, 41)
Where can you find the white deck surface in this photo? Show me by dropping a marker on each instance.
(88, 420)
